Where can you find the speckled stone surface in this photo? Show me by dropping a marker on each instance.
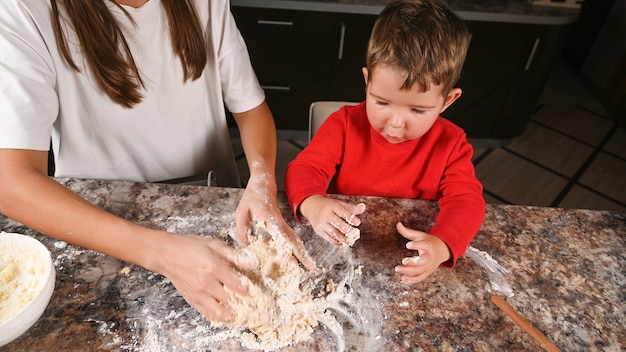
(566, 268)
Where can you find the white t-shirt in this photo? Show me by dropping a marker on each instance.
(179, 129)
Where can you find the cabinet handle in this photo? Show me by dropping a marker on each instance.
(281, 88)
(532, 54)
(275, 23)
(342, 38)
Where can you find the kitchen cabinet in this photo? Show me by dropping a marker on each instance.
(304, 56)
(525, 90)
(346, 81)
(504, 73)
(301, 56)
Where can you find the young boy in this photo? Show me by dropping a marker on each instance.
(396, 144)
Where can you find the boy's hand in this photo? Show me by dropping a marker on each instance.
(334, 220)
(431, 252)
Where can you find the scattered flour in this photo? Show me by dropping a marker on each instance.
(325, 307)
(281, 309)
(495, 271)
(321, 305)
(354, 234)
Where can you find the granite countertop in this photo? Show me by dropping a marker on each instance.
(516, 11)
(566, 269)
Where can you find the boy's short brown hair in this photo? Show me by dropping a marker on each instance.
(422, 38)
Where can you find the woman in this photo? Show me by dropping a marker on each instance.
(133, 90)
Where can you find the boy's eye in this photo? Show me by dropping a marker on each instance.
(418, 111)
(378, 102)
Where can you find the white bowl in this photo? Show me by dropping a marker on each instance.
(27, 279)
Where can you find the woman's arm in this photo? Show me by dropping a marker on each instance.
(259, 202)
(198, 267)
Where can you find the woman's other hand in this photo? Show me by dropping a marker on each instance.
(259, 204)
(200, 268)
(259, 201)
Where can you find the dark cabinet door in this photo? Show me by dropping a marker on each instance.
(496, 55)
(547, 42)
(504, 74)
(291, 52)
(346, 80)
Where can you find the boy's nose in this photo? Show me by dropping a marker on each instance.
(396, 121)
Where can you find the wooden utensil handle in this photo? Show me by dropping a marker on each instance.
(524, 324)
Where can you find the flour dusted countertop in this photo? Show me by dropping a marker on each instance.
(566, 269)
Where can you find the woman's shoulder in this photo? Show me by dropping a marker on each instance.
(24, 24)
(20, 10)
(34, 8)
(212, 8)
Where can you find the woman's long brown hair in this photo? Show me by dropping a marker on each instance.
(107, 53)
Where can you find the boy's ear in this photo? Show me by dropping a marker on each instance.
(453, 95)
(365, 74)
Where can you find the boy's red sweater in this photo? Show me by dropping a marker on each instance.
(437, 166)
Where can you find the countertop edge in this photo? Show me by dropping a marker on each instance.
(566, 18)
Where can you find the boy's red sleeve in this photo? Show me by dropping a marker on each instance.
(462, 206)
(310, 172)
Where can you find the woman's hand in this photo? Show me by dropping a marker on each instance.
(332, 219)
(431, 252)
(200, 268)
(259, 204)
